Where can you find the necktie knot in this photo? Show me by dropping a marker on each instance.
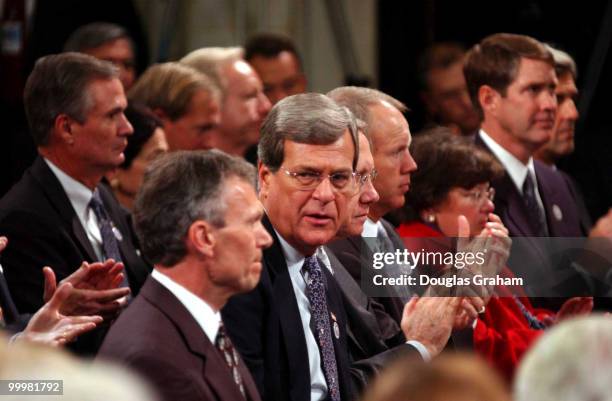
(535, 212)
(311, 265)
(97, 205)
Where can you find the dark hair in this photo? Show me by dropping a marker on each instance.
(438, 56)
(269, 45)
(446, 161)
(59, 84)
(144, 122)
(495, 62)
(95, 35)
(178, 189)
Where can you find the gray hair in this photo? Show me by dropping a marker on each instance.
(210, 61)
(571, 362)
(95, 35)
(310, 118)
(359, 100)
(178, 189)
(564, 63)
(59, 84)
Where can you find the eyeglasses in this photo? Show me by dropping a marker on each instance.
(362, 179)
(343, 182)
(479, 195)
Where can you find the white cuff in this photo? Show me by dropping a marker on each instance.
(421, 348)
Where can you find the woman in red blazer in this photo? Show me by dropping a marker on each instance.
(452, 180)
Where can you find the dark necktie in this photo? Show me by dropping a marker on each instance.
(229, 354)
(315, 291)
(110, 245)
(536, 215)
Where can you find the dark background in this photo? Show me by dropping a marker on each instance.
(405, 29)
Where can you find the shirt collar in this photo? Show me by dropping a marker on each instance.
(78, 194)
(203, 314)
(370, 228)
(294, 258)
(515, 168)
(292, 255)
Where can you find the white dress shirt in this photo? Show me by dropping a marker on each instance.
(80, 196)
(295, 261)
(515, 168)
(203, 314)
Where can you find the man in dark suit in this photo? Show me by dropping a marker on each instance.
(389, 135)
(58, 214)
(374, 338)
(292, 330)
(511, 80)
(200, 223)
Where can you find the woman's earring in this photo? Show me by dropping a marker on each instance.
(431, 218)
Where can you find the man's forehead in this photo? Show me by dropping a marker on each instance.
(567, 83)
(532, 70)
(336, 155)
(99, 91)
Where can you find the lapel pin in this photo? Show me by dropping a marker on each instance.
(557, 212)
(117, 233)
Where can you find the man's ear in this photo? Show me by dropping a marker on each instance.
(201, 238)
(488, 99)
(264, 176)
(63, 126)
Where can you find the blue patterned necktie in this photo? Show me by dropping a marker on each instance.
(110, 245)
(533, 208)
(230, 355)
(315, 291)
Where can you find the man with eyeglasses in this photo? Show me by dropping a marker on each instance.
(291, 328)
(390, 138)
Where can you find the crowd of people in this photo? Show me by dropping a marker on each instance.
(212, 227)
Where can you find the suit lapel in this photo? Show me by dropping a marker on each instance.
(136, 269)
(289, 314)
(509, 204)
(57, 197)
(215, 371)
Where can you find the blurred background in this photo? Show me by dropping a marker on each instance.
(364, 42)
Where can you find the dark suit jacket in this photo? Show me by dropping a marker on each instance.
(374, 339)
(43, 230)
(384, 335)
(14, 321)
(265, 326)
(347, 249)
(531, 259)
(158, 337)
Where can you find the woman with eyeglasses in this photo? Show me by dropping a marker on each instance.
(453, 179)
